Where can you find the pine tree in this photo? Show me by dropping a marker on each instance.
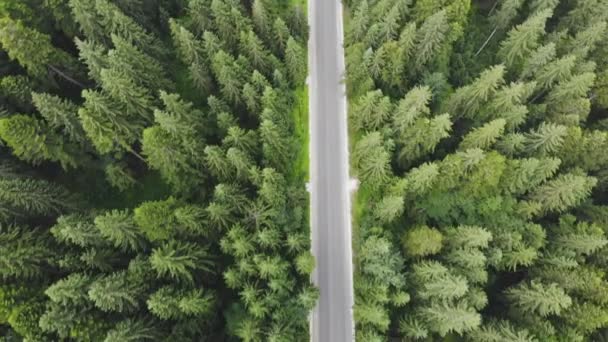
(252, 47)
(170, 303)
(141, 67)
(525, 174)
(430, 38)
(421, 179)
(485, 136)
(88, 19)
(390, 24)
(120, 176)
(548, 138)
(261, 18)
(371, 111)
(77, 230)
(106, 124)
(71, 290)
(502, 18)
(421, 241)
(116, 293)
(280, 35)
(94, 55)
(538, 60)
(295, 60)
(359, 24)
(305, 263)
(16, 92)
(178, 260)
(24, 253)
(389, 209)
(585, 41)
(413, 105)
(119, 228)
(60, 114)
(371, 160)
(554, 72)
(563, 192)
(229, 75)
(190, 50)
(275, 145)
(423, 137)
(466, 101)
(133, 329)
(116, 22)
(135, 100)
(156, 219)
(523, 39)
(501, 331)
(537, 298)
(34, 51)
(34, 141)
(33, 197)
(172, 157)
(445, 319)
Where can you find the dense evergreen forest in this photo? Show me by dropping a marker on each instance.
(152, 171)
(480, 137)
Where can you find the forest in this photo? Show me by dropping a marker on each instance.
(152, 171)
(479, 133)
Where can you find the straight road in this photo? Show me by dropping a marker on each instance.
(332, 319)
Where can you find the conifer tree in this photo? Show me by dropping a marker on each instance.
(295, 60)
(33, 141)
(60, 114)
(537, 298)
(94, 56)
(371, 160)
(546, 139)
(372, 110)
(133, 329)
(115, 293)
(424, 136)
(178, 260)
(414, 104)
(33, 197)
(190, 50)
(485, 136)
(445, 319)
(430, 37)
(466, 101)
(523, 38)
(77, 230)
(25, 253)
(71, 290)
(119, 228)
(34, 51)
(422, 241)
(106, 124)
(563, 192)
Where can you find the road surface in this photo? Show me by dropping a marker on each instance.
(331, 321)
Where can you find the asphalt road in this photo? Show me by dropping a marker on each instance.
(332, 320)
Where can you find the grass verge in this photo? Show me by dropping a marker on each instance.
(299, 114)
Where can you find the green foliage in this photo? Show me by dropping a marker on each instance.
(522, 148)
(34, 141)
(177, 260)
(156, 219)
(538, 298)
(130, 97)
(26, 254)
(421, 241)
(33, 197)
(119, 227)
(31, 48)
